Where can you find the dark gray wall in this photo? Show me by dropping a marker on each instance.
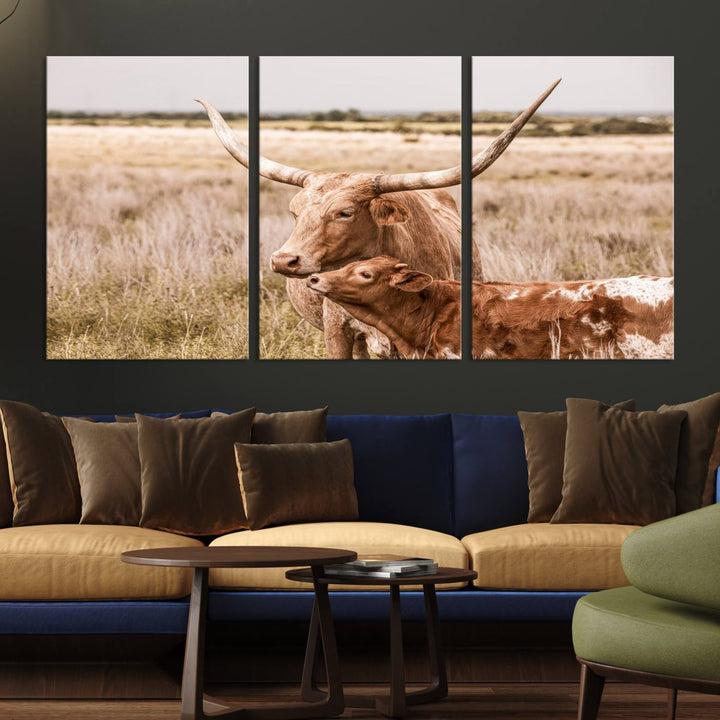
(687, 30)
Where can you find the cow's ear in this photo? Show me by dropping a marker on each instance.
(410, 280)
(387, 212)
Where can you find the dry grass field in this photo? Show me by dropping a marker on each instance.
(576, 208)
(147, 226)
(146, 249)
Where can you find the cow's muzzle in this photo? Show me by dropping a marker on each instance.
(292, 264)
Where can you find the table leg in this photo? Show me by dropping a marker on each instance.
(335, 702)
(309, 687)
(397, 657)
(394, 706)
(193, 670)
(438, 687)
(196, 707)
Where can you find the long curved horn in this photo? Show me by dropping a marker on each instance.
(268, 168)
(452, 176)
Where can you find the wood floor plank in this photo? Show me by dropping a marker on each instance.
(477, 701)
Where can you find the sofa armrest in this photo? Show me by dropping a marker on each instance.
(678, 558)
(717, 484)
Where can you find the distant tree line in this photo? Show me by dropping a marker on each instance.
(354, 115)
(621, 126)
(483, 122)
(544, 125)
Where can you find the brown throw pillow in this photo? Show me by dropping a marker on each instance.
(131, 418)
(297, 483)
(108, 466)
(41, 466)
(544, 434)
(188, 474)
(619, 466)
(6, 501)
(297, 426)
(697, 438)
(710, 491)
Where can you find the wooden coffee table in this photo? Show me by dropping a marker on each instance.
(396, 703)
(196, 707)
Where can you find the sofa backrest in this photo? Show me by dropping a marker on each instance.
(403, 467)
(491, 477)
(457, 474)
(187, 414)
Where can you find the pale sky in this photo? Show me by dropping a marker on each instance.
(606, 85)
(146, 84)
(371, 84)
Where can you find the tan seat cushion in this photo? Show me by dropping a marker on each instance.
(544, 556)
(365, 538)
(82, 562)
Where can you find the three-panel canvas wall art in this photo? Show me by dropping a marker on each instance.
(361, 238)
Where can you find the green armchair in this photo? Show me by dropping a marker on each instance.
(664, 629)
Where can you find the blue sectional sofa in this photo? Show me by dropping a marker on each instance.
(456, 479)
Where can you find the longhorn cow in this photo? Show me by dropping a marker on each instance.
(343, 217)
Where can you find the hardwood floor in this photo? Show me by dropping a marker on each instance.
(480, 701)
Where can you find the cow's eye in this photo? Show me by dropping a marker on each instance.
(366, 274)
(345, 213)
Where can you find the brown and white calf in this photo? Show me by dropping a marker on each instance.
(617, 318)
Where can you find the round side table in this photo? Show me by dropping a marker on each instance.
(194, 706)
(396, 703)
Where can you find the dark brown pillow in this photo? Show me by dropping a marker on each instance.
(108, 465)
(697, 438)
(297, 483)
(131, 418)
(6, 501)
(544, 434)
(41, 466)
(710, 491)
(297, 426)
(188, 474)
(619, 466)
